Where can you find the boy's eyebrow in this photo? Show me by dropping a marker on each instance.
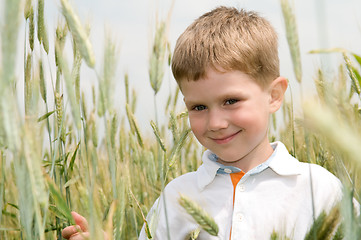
(234, 94)
(187, 102)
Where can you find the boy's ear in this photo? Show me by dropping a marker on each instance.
(277, 92)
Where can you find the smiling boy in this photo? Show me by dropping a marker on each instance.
(229, 114)
(226, 65)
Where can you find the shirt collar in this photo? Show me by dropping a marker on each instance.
(284, 164)
(207, 171)
(281, 162)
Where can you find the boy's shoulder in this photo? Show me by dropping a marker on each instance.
(318, 178)
(183, 179)
(286, 164)
(322, 178)
(184, 183)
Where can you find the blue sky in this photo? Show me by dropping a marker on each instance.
(321, 24)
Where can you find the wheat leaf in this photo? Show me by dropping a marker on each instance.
(45, 116)
(71, 164)
(60, 203)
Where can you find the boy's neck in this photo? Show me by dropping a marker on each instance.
(257, 156)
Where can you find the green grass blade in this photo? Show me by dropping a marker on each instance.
(59, 201)
(357, 57)
(45, 116)
(72, 161)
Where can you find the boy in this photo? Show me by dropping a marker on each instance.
(226, 65)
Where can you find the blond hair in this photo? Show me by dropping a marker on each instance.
(227, 39)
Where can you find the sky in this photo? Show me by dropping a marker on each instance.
(321, 24)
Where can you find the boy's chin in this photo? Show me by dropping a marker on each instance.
(228, 160)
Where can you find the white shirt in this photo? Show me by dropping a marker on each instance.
(279, 197)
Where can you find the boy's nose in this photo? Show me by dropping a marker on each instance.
(216, 121)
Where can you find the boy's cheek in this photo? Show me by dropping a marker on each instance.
(196, 125)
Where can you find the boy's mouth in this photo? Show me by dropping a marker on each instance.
(226, 139)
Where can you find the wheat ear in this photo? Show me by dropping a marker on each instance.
(204, 220)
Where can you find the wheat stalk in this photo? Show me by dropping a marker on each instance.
(205, 221)
(61, 33)
(27, 9)
(351, 71)
(42, 81)
(324, 120)
(28, 84)
(134, 125)
(31, 29)
(113, 130)
(193, 235)
(178, 146)
(59, 115)
(40, 19)
(126, 85)
(42, 34)
(78, 33)
(106, 82)
(292, 38)
(325, 226)
(75, 73)
(157, 135)
(157, 57)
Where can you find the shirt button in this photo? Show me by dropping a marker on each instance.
(241, 188)
(227, 170)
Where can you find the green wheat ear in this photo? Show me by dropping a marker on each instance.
(277, 236)
(158, 137)
(352, 73)
(31, 28)
(157, 57)
(42, 81)
(79, 34)
(193, 235)
(292, 38)
(27, 9)
(205, 221)
(325, 226)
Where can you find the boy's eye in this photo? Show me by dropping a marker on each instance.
(230, 101)
(199, 107)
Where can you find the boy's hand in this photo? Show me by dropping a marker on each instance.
(78, 231)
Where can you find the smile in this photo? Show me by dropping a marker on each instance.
(225, 140)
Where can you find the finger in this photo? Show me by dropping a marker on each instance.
(69, 231)
(81, 221)
(80, 236)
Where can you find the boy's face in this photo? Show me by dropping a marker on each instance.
(229, 114)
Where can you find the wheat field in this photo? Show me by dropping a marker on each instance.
(65, 148)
